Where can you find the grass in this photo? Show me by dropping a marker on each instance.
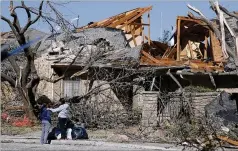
(7, 129)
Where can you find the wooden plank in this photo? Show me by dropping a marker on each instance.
(190, 19)
(111, 20)
(137, 16)
(142, 32)
(228, 140)
(221, 19)
(140, 24)
(137, 32)
(150, 57)
(147, 38)
(149, 28)
(124, 19)
(206, 45)
(166, 52)
(132, 33)
(190, 50)
(216, 48)
(178, 39)
(169, 51)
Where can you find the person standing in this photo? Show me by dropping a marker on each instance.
(45, 117)
(63, 117)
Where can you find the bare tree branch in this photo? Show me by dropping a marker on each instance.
(52, 80)
(11, 25)
(30, 22)
(16, 68)
(175, 80)
(7, 78)
(16, 22)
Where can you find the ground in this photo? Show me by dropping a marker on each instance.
(31, 142)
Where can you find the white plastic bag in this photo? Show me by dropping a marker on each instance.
(59, 136)
(69, 136)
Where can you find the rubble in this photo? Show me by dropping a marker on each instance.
(101, 46)
(223, 113)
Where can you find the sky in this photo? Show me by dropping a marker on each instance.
(163, 13)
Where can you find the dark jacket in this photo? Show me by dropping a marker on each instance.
(45, 114)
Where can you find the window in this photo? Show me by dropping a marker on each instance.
(71, 87)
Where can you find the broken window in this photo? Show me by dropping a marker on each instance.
(71, 87)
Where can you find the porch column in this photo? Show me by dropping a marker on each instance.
(149, 109)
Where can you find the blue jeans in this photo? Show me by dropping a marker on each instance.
(45, 131)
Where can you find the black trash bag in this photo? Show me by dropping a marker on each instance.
(79, 133)
(53, 134)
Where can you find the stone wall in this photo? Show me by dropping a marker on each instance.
(149, 110)
(200, 100)
(156, 110)
(138, 98)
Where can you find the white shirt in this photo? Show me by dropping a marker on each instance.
(63, 110)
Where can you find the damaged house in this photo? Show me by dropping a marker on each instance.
(113, 66)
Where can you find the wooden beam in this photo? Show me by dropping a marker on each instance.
(133, 33)
(178, 39)
(149, 28)
(150, 57)
(228, 140)
(124, 19)
(221, 19)
(190, 50)
(137, 30)
(111, 20)
(206, 45)
(152, 84)
(142, 32)
(212, 80)
(137, 16)
(190, 19)
(147, 38)
(175, 80)
(140, 24)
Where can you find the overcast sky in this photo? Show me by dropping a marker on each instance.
(163, 14)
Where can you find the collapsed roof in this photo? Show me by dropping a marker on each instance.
(130, 22)
(195, 46)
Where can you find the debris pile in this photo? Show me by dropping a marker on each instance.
(223, 112)
(101, 46)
